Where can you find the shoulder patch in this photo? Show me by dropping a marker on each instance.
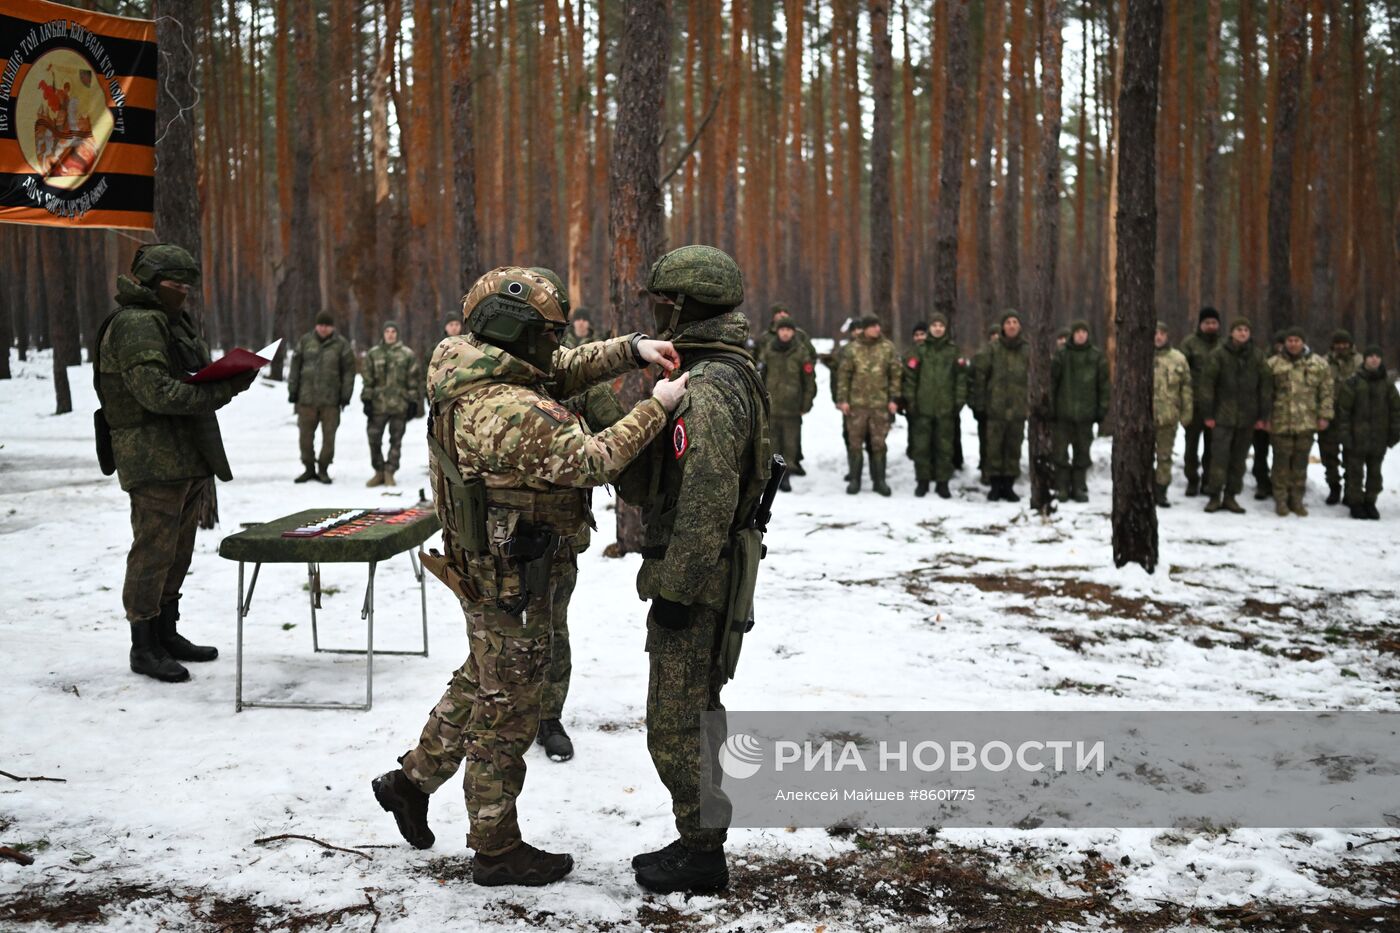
(912, 362)
(809, 367)
(680, 440)
(962, 362)
(554, 411)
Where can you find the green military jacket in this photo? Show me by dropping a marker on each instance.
(695, 478)
(322, 372)
(790, 373)
(1079, 383)
(934, 384)
(392, 380)
(1368, 412)
(1303, 393)
(770, 337)
(1197, 349)
(163, 430)
(570, 340)
(1172, 398)
(868, 373)
(1237, 387)
(1001, 380)
(1343, 367)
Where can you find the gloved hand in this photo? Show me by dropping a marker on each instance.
(366, 405)
(243, 381)
(671, 616)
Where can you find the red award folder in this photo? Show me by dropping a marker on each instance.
(235, 362)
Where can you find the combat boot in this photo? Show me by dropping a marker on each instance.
(1280, 507)
(1193, 487)
(686, 870)
(308, 474)
(1334, 493)
(1263, 491)
(651, 858)
(785, 484)
(1358, 511)
(796, 470)
(856, 462)
(942, 490)
(1008, 489)
(1296, 504)
(1371, 512)
(1214, 504)
(376, 480)
(877, 475)
(1232, 506)
(1161, 497)
(554, 740)
(409, 805)
(149, 658)
(1081, 487)
(323, 474)
(994, 489)
(176, 645)
(523, 865)
(921, 488)
(389, 478)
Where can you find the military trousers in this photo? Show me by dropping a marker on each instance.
(1363, 476)
(309, 417)
(377, 424)
(1198, 445)
(1228, 456)
(1290, 473)
(867, 424)
(1262, 477)
(490, 712)
(982, 448)
(1004, 437)
(683, 682)
(1075, 436)
(1329, 446)
(1166, 439)
(785, 432)
(164, 518)
(931, 448)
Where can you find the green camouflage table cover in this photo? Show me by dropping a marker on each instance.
(264, 544)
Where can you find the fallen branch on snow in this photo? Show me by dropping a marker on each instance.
(16, 777)
(15, 855)
(325, 845)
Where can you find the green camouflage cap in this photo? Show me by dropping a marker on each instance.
(701, 272)
(159, 261)
(1341, 336)
(558, 284)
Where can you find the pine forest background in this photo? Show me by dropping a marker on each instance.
(372, 158)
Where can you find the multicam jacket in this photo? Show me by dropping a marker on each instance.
(1172, 398)
(935, 379)
(322, 372)
(163, 430)
(392, 380)
(1303, 393)
(868, 373)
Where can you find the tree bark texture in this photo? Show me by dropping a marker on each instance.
(881, 143)
(954, 140)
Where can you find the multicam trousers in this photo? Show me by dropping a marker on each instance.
(164, 517)
(1290, 473)
(863, 423)
(684, 682)
(377, 424)
(1166, 437)
(490, 712)
(328, 418)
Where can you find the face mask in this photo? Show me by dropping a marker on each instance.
(171, 299)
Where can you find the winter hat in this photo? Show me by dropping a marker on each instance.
(581, 314)
(1374, 349)
(325, 318)
(1207, 312)
(1241, 322)
(1162, 326)
(1062, 333)
(389, 324)
(870, 320)
(919, 326)
(778, 309)
(1009, 313)
(1341, 336)
(938, 318)
(1080, 324)
(450, 318)
(1290, 332)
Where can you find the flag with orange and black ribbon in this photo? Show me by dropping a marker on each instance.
(77, 117)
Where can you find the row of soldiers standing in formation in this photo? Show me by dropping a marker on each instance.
(1227, 394)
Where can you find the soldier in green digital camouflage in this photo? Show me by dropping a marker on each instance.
(1302, 403)
(780, 314)
(1344, 362)
(509, 465)
(999, 392)
(320, 383)
(1197, 348)
(867, 384)
(789, 371)
(392, 395)
(1172, 404)
(452, 326)
(980, 361)
(161, 436)
(1236, 392)
(698, 485)
(1079, 394)
(580, 330)
(934, 388)
(1368, 409)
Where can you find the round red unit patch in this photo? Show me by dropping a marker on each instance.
(680, 440)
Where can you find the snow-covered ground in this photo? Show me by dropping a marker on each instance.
(864, 603)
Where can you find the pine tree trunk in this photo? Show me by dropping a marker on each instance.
(881, 142)
(954, 138)
(1211, 264)
(9, 295)
(1047, 230)
(1134, 512)
(464, 144)
(298, 290)
(56, 253)
(989, 94)
(1290, 63)
(635, 219)
(177, 213)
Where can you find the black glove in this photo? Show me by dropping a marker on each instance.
(243, 380)
(673, 617)
(366, 404)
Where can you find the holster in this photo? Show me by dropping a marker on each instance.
(531, 551)
(441, 566)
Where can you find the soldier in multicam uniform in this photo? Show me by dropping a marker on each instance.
(1197, 348)
(1172, 404)
(320, 383)
(1303, 402)
(1344, 362)
(867, 384)
(1079, 394)
(999, 396)
(509, 466)
(1369, 411)
(788, 367)
(164, 445)
(1236, 390)
(934, 390)
(696, 485)
(391, 392)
